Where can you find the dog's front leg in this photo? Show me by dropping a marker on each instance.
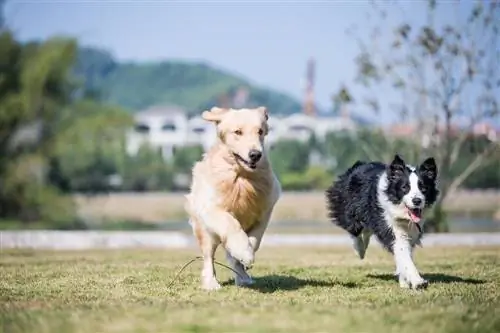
(255, 235)
(233, 237)
(241, 276)
(405, 267)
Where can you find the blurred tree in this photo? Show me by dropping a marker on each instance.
(489, 177)
(341, 101)
(185, 157)
(90, 147)
(147, 171)
(289, 156)
(365, 145)
(314, 177)
(447, 76)
(34, 90)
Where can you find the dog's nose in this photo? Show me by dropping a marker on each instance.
(417, 201)
(254, 155)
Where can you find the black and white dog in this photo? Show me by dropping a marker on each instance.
(385, 200)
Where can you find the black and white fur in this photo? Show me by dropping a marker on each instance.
(387, 201)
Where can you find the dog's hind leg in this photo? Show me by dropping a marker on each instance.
(366, 234)
(241, 277)
(208, 244)
(360, 242)
(359, 246)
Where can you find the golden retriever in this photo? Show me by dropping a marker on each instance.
(233, 192)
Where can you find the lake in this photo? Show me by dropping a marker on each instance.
(463, 224)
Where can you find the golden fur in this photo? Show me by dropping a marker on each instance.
(231, 201)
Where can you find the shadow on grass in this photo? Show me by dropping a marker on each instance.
(431, 277)
(272, 283)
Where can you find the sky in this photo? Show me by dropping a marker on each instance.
(267, 42)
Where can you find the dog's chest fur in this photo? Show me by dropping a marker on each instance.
(405, 229)
(246, 199)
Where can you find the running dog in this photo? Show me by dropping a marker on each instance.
(388, 201)
(233, 192)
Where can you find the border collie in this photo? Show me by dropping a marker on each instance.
(385, 200)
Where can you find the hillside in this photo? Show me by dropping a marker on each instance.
(194, 86)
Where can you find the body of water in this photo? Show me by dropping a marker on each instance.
(457, 225)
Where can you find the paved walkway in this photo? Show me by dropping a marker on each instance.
(80, 240)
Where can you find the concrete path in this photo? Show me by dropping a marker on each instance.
(81, 240)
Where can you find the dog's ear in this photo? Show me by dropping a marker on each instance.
(263, 111)
(428, 168)
(397, 165)
(214, 115)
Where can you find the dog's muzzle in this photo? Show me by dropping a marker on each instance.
(250, 164)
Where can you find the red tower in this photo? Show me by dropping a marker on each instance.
(309, 108)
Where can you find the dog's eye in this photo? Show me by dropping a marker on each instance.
(405, 187)
(261, 132)
(421, 186)
(238, 132)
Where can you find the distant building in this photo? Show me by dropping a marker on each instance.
(300, 126)
(431, 133)
(168, 127)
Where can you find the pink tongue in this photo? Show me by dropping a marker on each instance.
(414, 217)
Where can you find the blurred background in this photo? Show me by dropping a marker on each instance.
(100, 104)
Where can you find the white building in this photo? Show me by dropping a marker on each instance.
(301, 127)
(168, 127)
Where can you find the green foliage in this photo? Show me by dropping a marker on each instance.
(90, 147)
(289, 156)
(25, 196)
(185, 157)
(366, 145)
(192, 86)
(489, 175)
(34, 89)
(313, 178)
(147, 171)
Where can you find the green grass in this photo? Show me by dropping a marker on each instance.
(296, 290)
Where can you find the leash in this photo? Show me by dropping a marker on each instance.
(195, 259)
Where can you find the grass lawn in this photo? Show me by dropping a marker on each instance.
(296, 290)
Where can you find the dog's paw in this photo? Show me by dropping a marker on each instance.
(417, 283)
(210, 284)
(246, 257)
(359, 247)
(403, 283)
(243, 281)
(243, 253)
